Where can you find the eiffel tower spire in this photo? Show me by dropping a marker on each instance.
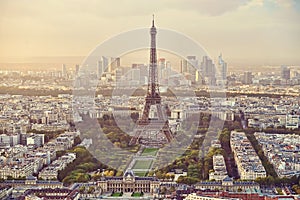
(153, 21)
(153, 88)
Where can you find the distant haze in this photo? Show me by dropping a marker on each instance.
(247, 32)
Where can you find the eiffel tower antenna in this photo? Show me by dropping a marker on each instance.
(153, 20)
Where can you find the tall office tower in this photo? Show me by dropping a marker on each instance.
(206, 66)
(76, 69)
(222, 67)
(119, 73)
(63, 70)
(165, 73)
(99, 68)
(135, 74)
(118, 62)
(104, 64)
(114, 64)
(161, 67)
(154, 131)
(192, 64)
(208, 71)
(143, 74)
(285, 72)
(198, 78)
(247, 78)
(183, 66)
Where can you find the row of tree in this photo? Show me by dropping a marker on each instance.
(265, 162)
(78, 170)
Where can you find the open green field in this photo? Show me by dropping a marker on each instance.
(140, 174)
(149, 152)
(142, 164)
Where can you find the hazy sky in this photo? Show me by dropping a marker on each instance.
(247, 32)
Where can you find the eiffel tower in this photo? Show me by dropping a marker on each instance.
(155, 131)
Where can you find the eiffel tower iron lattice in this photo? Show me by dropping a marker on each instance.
(152, 131)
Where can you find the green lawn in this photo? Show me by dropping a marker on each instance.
(149, 152)
(142, 164)
(137, 194)
(140, 174)
(116, 194)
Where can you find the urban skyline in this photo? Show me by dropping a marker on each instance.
(150, 113)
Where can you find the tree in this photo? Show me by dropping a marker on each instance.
(159, 174)
(91, 189)
(60, 153)
(163, 190)
(96, 177)
(151, 173)
(81, 189)
(111, 173)
(83, 178)
(119, 173)
(77, 140)
(296, 188)
(172, 177)
(187, 180)
(117, 144)
(193, 171)
(167, 176)
(172, 189)
(106, 172)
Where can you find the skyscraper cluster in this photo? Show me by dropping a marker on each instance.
(204, 72)
(208, 71)
(104, 65)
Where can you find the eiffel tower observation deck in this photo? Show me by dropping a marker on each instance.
(155, 131)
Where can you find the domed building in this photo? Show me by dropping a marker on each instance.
(129, 183)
